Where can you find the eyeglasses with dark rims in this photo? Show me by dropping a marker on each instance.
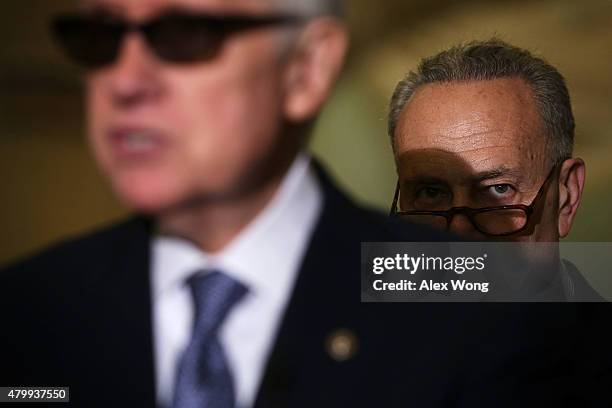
(495, 221)
(93, 40)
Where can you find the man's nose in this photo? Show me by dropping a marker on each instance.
(134, 75)
(461, 225)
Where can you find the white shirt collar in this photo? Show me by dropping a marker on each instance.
(261, 252)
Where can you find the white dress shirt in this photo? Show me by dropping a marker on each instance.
(265, 256)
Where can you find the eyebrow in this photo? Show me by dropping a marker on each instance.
(474, 178)
(497, 172)
(424, 180)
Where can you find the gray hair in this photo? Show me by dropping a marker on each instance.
(492, 59)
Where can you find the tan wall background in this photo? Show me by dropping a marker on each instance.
(51, 189)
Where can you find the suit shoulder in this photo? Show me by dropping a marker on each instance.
(73, 252)
(366, 223)
(371, 225)
(398, 230)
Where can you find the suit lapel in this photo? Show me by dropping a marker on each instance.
(322, 302)
(127, 314)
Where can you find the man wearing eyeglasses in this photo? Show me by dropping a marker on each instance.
(483, 136)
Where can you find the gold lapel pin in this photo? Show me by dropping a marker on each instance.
(341, 345)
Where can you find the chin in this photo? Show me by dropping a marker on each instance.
(146, 203)
(147, 196)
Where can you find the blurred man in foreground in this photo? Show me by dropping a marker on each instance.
(238, 284)
(483, 136)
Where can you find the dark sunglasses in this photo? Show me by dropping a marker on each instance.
(94, 41)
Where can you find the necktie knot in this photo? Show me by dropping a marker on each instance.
(214, 294)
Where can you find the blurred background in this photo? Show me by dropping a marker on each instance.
(51, 189)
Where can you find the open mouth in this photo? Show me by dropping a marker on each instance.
(136, 142)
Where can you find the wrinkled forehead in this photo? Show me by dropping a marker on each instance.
(482, 124)
(439, 166)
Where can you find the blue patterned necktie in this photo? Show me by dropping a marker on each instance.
(203, 377)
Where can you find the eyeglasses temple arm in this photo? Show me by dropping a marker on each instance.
(395, 198)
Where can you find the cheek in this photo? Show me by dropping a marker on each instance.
(547, 228)
(229, 120)
(98, 114)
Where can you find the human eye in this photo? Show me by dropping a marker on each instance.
(430, 197)
(500, 192)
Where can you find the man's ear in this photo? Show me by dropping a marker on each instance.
(313, 67)
(571, 184)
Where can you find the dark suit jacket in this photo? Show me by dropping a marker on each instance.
(79, 315)
(577, 288)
